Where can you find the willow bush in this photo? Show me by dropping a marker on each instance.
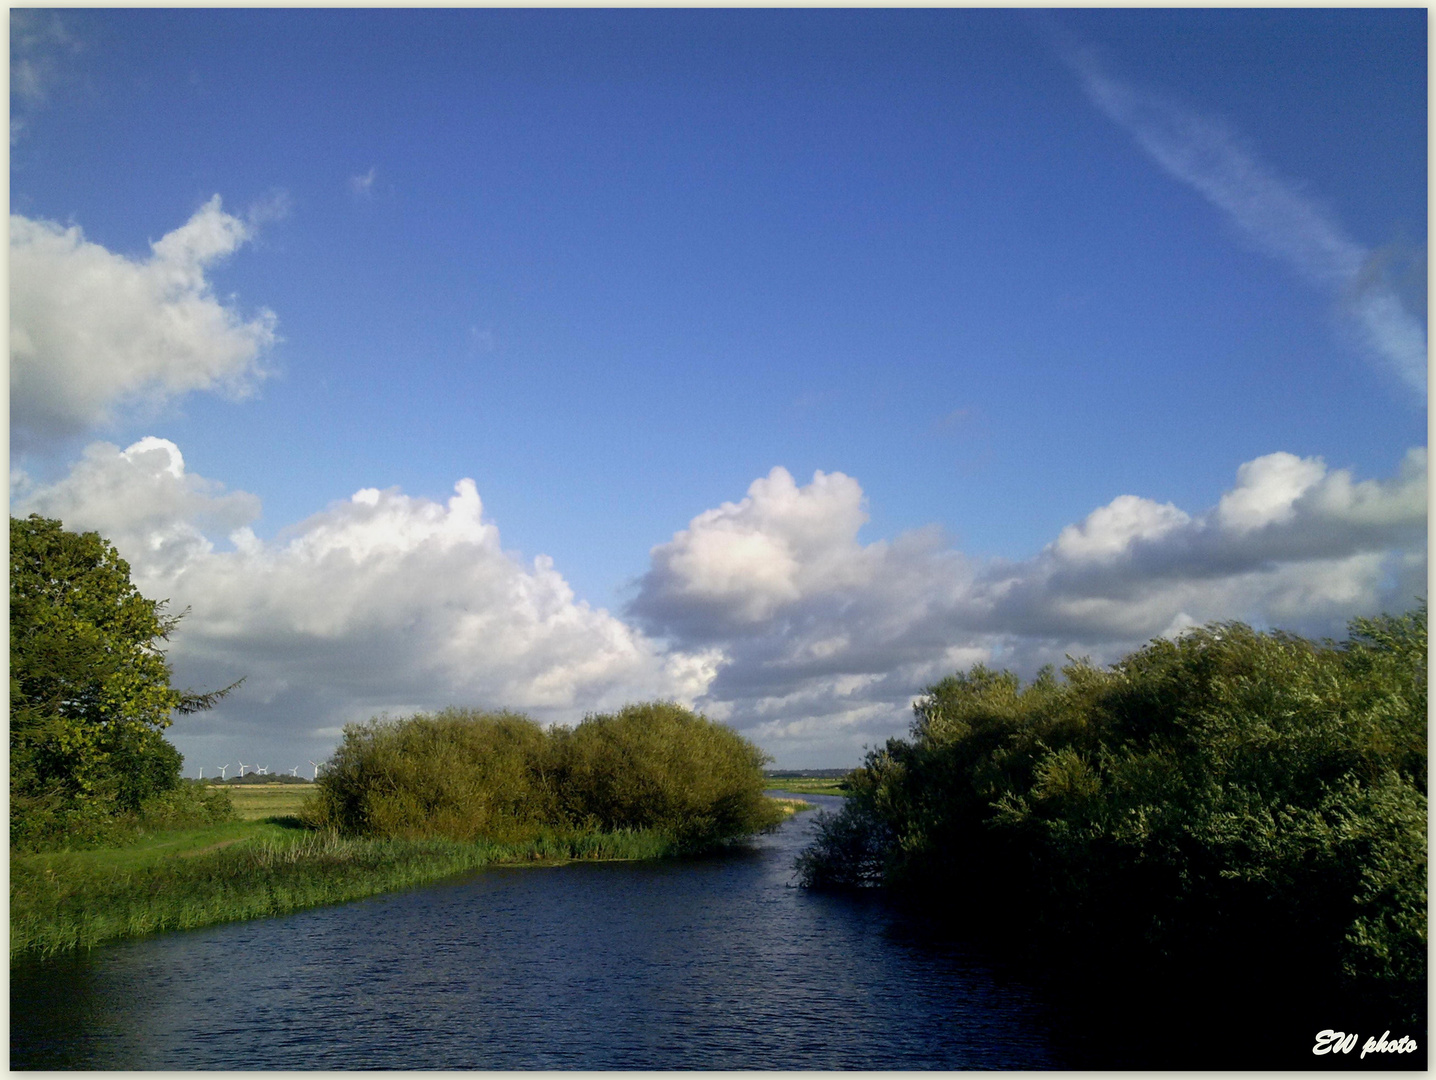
(660, 766)
(468, 775)
(459, 774)
(1231, 794)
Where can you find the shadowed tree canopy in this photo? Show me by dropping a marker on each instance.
(1231, 800)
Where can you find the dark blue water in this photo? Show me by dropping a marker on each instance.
(717, 963)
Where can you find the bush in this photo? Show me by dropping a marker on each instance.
(660, 766)
(469, 775)
(1229, 793)
(459, 774)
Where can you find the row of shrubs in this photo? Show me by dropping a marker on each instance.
(1233, 798)
(468, 775)
(50, 820)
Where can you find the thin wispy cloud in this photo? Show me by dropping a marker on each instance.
(275, 206)
(1207, 154)
(40, 44)
(43, 48)
(363, 186)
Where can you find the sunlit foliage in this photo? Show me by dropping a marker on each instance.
(470, 775)
(90, 691)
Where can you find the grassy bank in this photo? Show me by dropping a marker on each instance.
(182, 879)
(401, 802)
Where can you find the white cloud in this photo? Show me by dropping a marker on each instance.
(382, 602)
(276, 205)
(363, 185)
(1267, 490)
(144, 501)
(768, 613)
(741, 562)
(824, 640)
(92, 331)
(1110, 531)
(43, 49)
(1206, 154)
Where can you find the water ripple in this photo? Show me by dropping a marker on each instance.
(715, 963)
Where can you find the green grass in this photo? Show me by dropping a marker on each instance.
(181, 879)
(254, 802)
(808, 785)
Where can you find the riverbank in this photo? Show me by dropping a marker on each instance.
(183, 879)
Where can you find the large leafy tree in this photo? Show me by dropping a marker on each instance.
(90, 689)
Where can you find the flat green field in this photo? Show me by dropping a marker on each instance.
(255, 802)
(807, 785)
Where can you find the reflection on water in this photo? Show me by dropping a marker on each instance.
(716, 963)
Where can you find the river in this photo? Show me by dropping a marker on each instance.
(716, 963)
(712, 963)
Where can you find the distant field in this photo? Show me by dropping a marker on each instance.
(807, 785)
(254, 802)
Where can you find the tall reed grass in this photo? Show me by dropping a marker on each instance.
(58, 903)
(410, 801)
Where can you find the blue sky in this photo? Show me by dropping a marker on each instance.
(1097, 324)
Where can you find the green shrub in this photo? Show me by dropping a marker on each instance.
(1229, 793)
(459, 774)
(660, 766)
(60, 823)
(467, 775)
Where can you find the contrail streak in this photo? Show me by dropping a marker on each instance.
(1204, 153)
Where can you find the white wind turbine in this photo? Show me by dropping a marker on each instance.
(261, 772)
(222, 769)
(294, 771)
(242, 767)
(201, 772)
(316, 769)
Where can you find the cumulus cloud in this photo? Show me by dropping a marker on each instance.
(768, 612)
(824, 640)
(92, 331)
(382, 602)
(738, 564)
(1207, 154)
(143, 500)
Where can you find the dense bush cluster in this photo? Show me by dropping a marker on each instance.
(1231, 793)
(470, 775)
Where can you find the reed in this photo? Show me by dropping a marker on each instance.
(403, 803)
(69, 900)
